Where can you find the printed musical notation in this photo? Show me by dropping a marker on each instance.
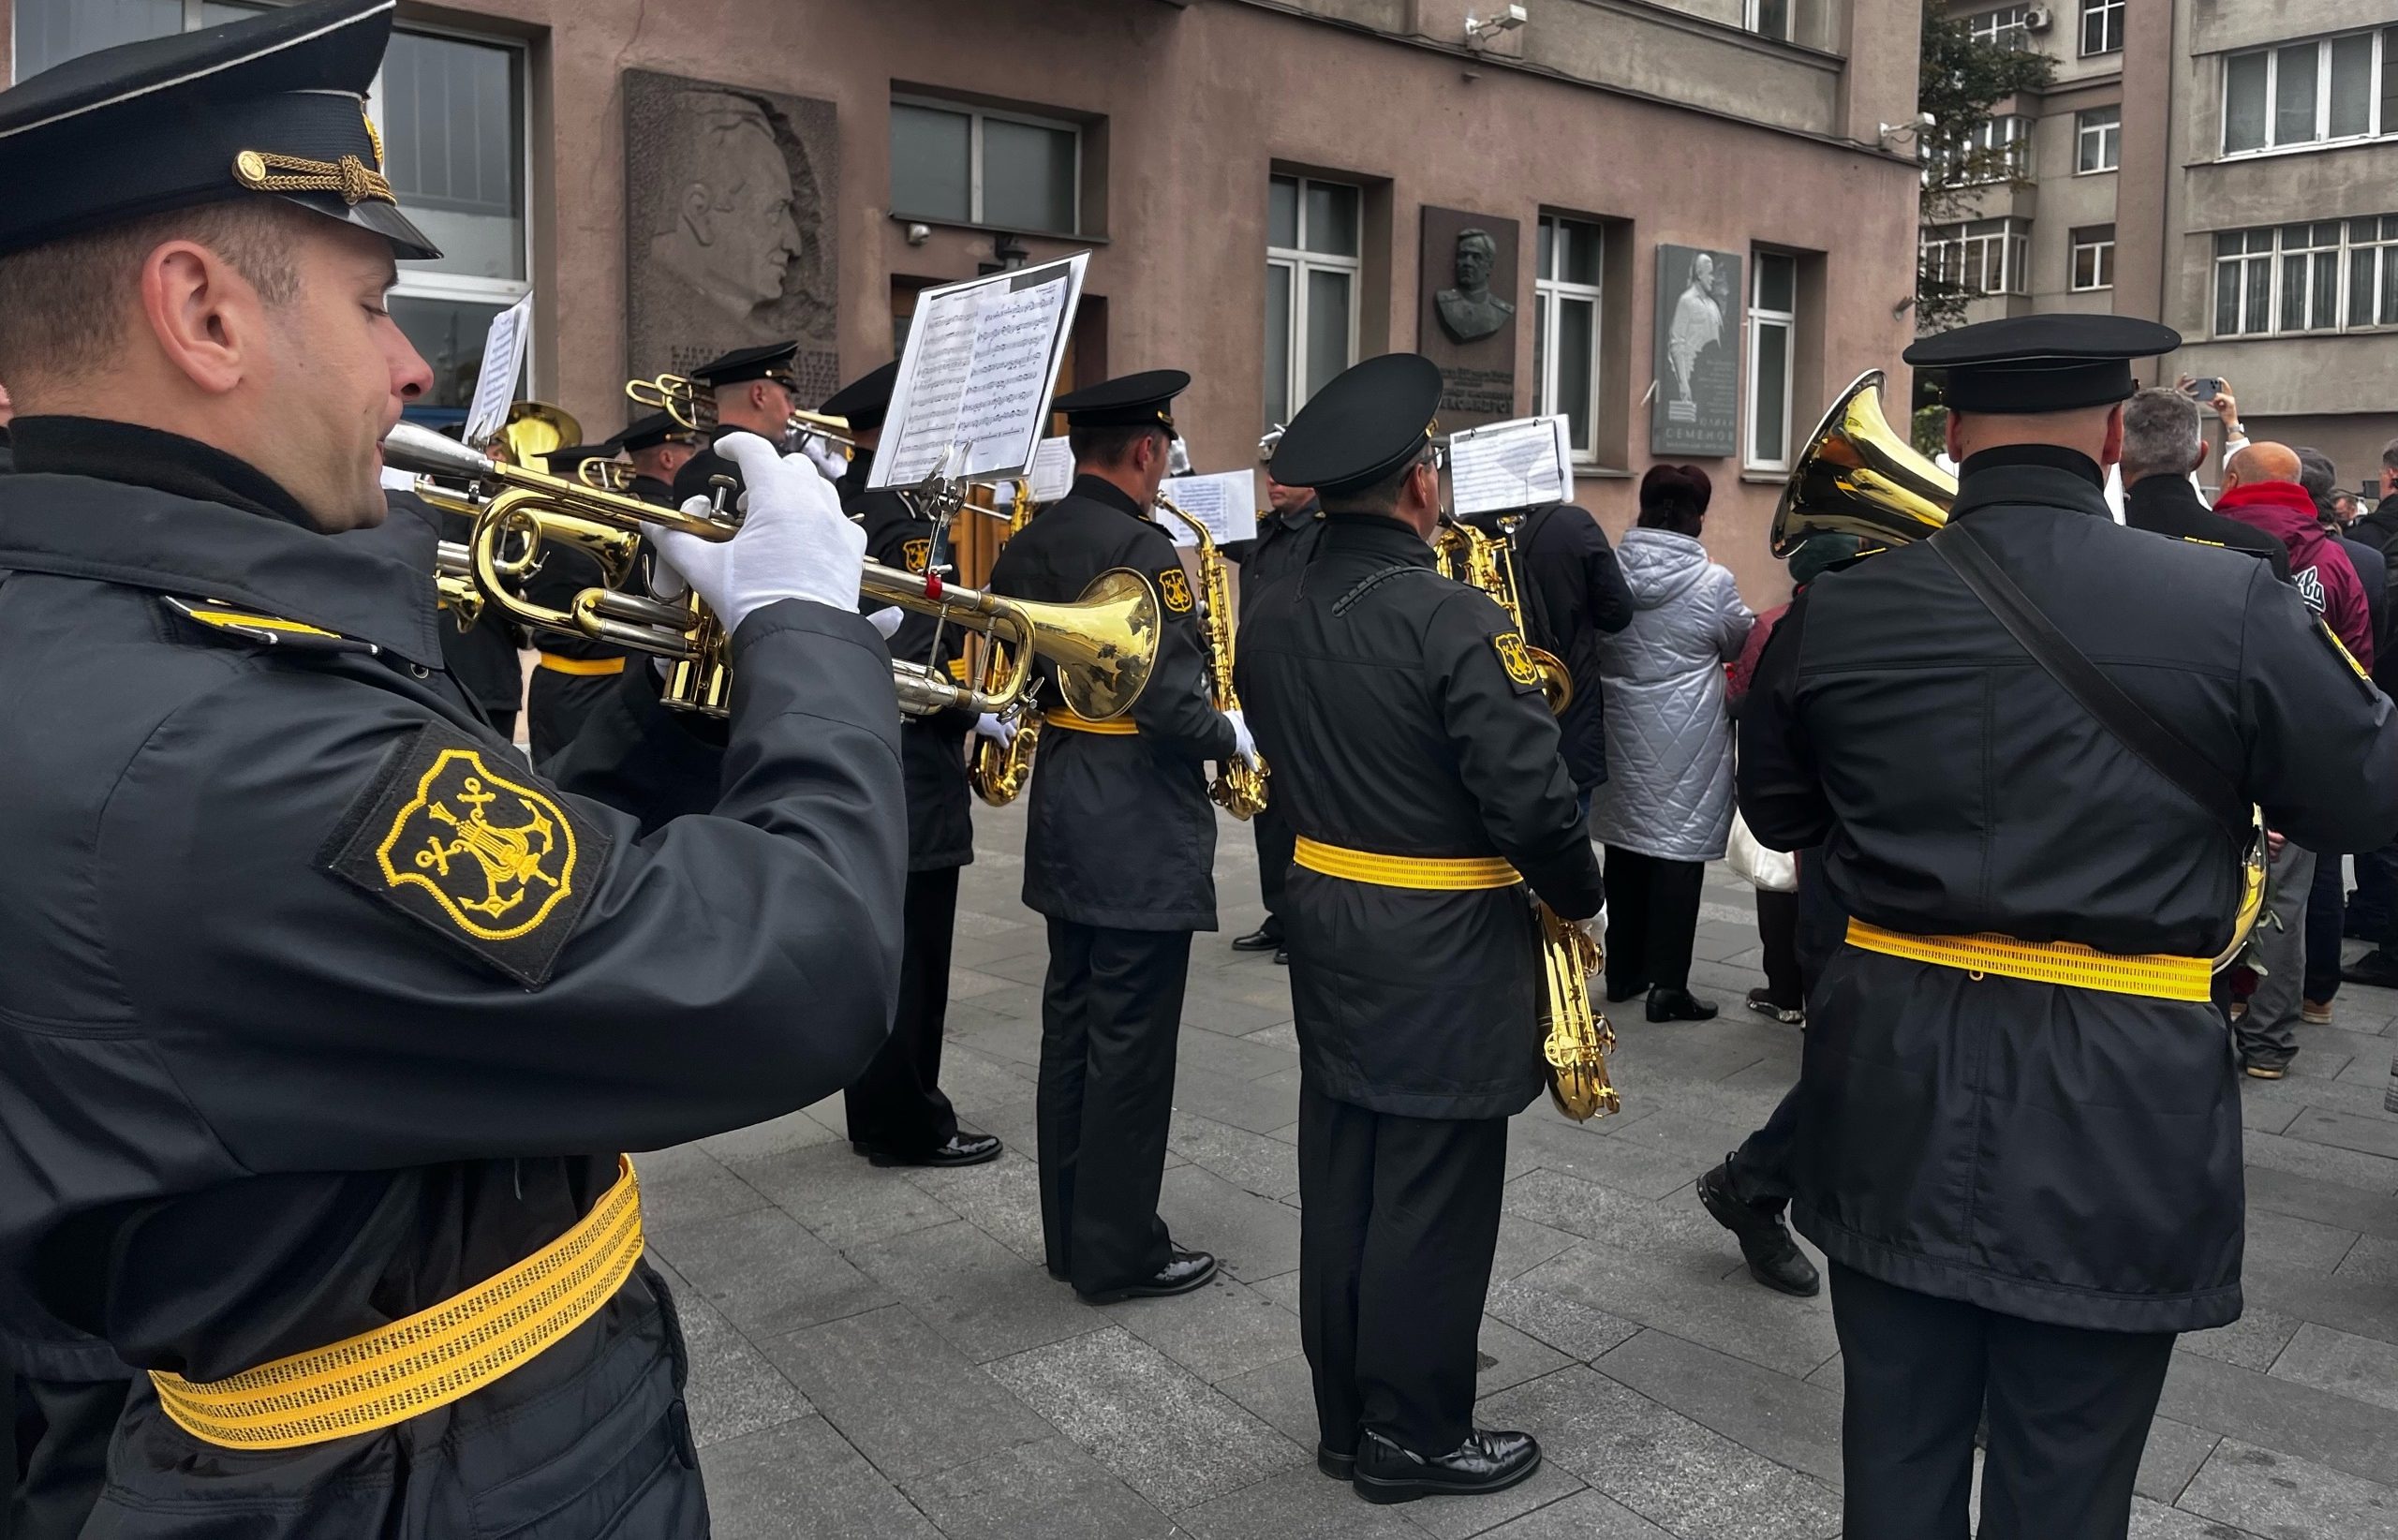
(974, 381)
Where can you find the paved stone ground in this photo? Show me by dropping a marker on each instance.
(879, 1353)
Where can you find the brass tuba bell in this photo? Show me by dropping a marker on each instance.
(534, 429)
(1861, 476)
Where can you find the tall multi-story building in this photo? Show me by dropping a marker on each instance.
(1269, 190)
(2225, 167)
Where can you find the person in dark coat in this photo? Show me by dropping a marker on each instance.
(2327, 898)
(1574, 592)
(658, 448)
(325, 1022)
(2027, 1186)
(1286, 538)
(897, 1115)
(1423, 774)
(1119, 856)
(748, 389)
(2164, 444)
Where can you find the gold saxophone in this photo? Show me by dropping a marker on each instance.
(1240, 787)
(1578, 1038)
(998, 772)
(1488, 563)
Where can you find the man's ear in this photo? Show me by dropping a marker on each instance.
(693, 206)
(1956, 440)
(2111, 450)
(204, 316)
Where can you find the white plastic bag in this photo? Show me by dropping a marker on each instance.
(1772, 870)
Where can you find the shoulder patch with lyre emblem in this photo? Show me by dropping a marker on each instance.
(917, 554)
(262, 629)
(1519, 664)
(1173, 586)
(472, 846)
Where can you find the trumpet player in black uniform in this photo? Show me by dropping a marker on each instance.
(2028, 749)
(1120, 856)
(658, 448)
(752, 390)
(1417, 760)
(897, 1115)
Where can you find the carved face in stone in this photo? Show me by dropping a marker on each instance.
(1476, 254)
(756, 236)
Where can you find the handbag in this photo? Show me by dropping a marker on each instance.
(1775, 871)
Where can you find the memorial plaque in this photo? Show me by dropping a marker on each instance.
(1696, 408)
(1467, 321)
(730, 195)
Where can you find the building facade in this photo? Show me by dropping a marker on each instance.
(2228, 168)
(1271, 190)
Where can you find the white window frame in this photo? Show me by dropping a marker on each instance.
(2345, 300)
(1547, 292)
(2384, 247)
(1299, 261)
(2102, 265)
(1787, 322)
(1955, 249)
(976, 117)
(1753, 19)
(2014, 31)
(2099, 10)
(2108, 136)
(2271, 54)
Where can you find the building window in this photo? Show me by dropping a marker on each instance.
(2097, 140)
(1773, 320)
(2006, 26)
(2093, 257)
(1981, 256)
(1566, 328)
(1770, 18)
(2102, 27)
(1998, 149)
(965, 165)
(1312, 272)
(50, 32)
(2309, 92)
(2329, 275)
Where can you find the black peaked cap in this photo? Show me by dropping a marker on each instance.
(650, 431)
(1371, 420)
(2024, 365)
(767, 360)
(1128, 401)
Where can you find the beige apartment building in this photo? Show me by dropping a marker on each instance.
(2227, 167)
(1271, 190)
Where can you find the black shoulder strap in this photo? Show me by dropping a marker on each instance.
(1527, 589)
(1373, 581)
(2165, 752)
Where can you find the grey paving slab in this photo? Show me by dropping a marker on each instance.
(2281, 1415)
(2367, 1134)
(843, 1200)
(1575, 1329)
(2357, 1298)
(1786, 1420)
(1298, 1504)
(688, 1184)
(1505, 1356)
(1051, 1489)
(1525, 1244)
(1158, 1428)
(1255, 1162)
(1231, 1016)
(1261, 1107)
(2308, 1158)
(2253, 1341)
(984, 1298)
(803, 1481)
(1252, 1237)
(2155, 1521)
(2278, 1494)
(978, 1084)
(1218, 1333)
(1588, 1159)
(791, 1131)
(1687, 1480)
(765, 1272)
(2359, 1367)
(2174, 1453)
(1282, 1396)
(909, 1401)
(1457, 1517)
(1584, 1515)
(2371, 1214)
(1282, 1035)
(732, 1391)
(1002, 1198)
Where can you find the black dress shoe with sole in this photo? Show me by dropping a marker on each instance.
(1678, 1005)
(958, 1150)
(1486, 1461)
(1774, 1259)
(1339, 1466)
(2377, 968)
(1266, 938)
(1283, 957)
(1189, 1270)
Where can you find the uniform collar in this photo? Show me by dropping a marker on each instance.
(1373, 535)
(1099, 490)
(1300, 517)
(2031, 473)
(213, 538)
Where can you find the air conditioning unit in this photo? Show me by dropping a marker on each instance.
(2038, 19)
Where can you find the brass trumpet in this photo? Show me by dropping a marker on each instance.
(605, 475)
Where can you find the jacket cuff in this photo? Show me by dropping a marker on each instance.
(797, 656)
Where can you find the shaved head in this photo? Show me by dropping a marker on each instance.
(2263, 462)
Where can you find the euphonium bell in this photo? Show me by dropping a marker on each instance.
(534, 429)
(1861, 476)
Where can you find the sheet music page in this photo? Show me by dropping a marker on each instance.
(1518, 464)
(503, 361)
(981, 360)
(1226, 503)
(1053, 470)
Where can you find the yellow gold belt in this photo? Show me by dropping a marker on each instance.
(1445, 874)
(2070, 963)
(558, 662)
(1073, 721)
(383, 1377)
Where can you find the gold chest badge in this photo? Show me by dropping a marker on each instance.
(916, 553)
(1510, 647)
(1173, 586)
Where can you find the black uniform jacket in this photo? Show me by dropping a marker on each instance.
(1572, 593)
(2058, 1154)
(2170, 505)
(697, 478)
(1122, 834)
(320, 1008)
(1281, 546)
(483, 658)
(1381, 694)
(941, 823)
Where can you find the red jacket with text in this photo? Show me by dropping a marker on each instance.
(2317, 566)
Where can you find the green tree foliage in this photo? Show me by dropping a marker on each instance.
(1961, 81)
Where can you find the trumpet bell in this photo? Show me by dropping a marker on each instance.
(536, 429)
(1859, 476)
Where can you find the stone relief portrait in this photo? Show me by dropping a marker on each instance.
(730, 202)
(1695, 409)
(1467, 286)
(1470, 311)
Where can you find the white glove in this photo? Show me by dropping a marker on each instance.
(1245, 745)
(886, 620)
(1596, 927)
(795, 541)
(823, 456)
(998, 728)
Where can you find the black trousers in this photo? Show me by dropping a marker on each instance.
(1778, 934)
(557, 703)
(56, 1454)
(2069, 1412)
(1111, 1009)
(1398, 1219)
(896, 1104)
(1275, 840)
(2327, 914)
(1652, 920)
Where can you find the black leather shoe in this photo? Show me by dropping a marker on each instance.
(1774, 1259)
(1189, 1270)
(1266, 938)
(1618, 993)
(1283, 957)
(2377, 967)
(1486, 1461)
(960, 1149)
(1339, 1467)
(1678, 1005)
